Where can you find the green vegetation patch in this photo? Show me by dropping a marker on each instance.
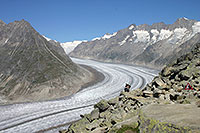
(128, 128)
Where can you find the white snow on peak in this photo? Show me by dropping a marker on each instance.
(185, 18)
(141, 36)
(131, 27)
(155, 35)
(179, 33)
(196, 27)
(122, 42)
(48, 39)
(72, 43)
(96, 38)
(6, 40)
(164, 34)
(155, 32)
(107, 36)
(70, 46)
(179, 36)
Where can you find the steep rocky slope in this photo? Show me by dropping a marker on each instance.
(162, 106)
(153, 45)
(31, 68)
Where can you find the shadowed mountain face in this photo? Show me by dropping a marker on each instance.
(150, 45)
(31, 68)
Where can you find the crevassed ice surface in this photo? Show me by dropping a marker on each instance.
(37, 116)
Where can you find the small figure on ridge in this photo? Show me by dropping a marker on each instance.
(127, 87)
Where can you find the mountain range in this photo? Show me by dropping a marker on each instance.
(34, 69)
(148, 45)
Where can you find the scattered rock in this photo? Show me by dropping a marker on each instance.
(185, 75)
(92, 125)
(63, 131)
(162, 97)
(95, 114)
(167, 97)
(181, 97)
(102, 105)
(147, 93)
(99, 130)
(198, 103)
(113, 101)
(158, 82)
(166, 71)
(105, 114)
(185, 101)
(183, 83)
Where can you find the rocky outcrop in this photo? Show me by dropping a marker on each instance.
(137, 113)
(107, 114)
(33, 69)
(172, 80)
(162, 106)
(143, 44)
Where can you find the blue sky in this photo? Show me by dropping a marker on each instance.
(68, 20)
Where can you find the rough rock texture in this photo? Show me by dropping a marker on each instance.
(173, 79)
(137, 113)
(149, 45)
(31, 68)
(162, 106)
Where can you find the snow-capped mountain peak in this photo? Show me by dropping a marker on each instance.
(142, 43)
(185, 18)
(131, 27)
(48, 39)
(69, 46)
(106, 36)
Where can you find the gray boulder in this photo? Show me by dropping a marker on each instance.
(102, 105)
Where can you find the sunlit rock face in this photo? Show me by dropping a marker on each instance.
(32, 68)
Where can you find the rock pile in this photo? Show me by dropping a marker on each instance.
(173, 79)
(112, 115)
(107, 114)
(166, 91)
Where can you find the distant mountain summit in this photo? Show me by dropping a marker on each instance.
(69, 46)
(31, 68)
(150, 45)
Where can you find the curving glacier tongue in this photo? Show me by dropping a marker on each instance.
(40, 116)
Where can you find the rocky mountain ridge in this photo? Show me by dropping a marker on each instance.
(164, 105)
(33, 69)
(143, 44)
(67, 46)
